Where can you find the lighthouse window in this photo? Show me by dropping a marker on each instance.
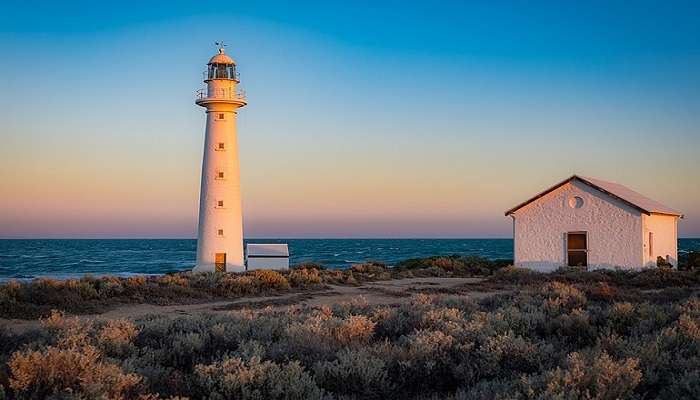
(221, 115)
(221, 71)
(220, 203)
(220, 232)
(220, 146)
(220, 175)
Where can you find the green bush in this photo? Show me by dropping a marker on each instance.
(301, 277)
(547, 341)
(355, 373)
(689, 261)
(268, 279)
(371, 267)
(308, 265)
(455, 264)
(72, 365)
(234, 378)
(565, 335)
(596, 376)
(661, 262)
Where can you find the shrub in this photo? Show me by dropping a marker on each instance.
(39, 374)
(621, 316)
(594, 377)
(74, 366)
(689, 261)
(520, 276)
(356, 305)
(685, 386)
(255, 379)
(10, 289)
(448, 320)
(602, 291)
(308, 265)
(304, 277)
(661, 262)
(93, 295)
(371, 267)
(354, 329)
(116, 336)
(174, 280)
(459, 265)
(422, 361)
(561, 296)
(507, 354)
(136, 281)
(573, 327)
(566, 335)
(236, 285)
(269, 279)
(66, 328)
(393, 323)
(357, 373)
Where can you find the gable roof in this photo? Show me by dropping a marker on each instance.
(267, 250)
(620, 192)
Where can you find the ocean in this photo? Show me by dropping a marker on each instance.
(70, 258)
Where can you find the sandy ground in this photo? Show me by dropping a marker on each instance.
(395, 291)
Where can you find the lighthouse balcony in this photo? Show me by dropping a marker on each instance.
(220, 95)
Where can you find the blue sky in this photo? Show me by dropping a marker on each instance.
(393, 120)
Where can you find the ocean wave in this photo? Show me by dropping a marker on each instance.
(75, 258)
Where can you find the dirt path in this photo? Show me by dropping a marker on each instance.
(395, 291)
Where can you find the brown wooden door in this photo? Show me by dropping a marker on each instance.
(220, 262)
(577, 249)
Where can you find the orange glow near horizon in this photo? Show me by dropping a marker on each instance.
(406, 132)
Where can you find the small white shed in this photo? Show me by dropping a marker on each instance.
(267, 256)
(595, 224)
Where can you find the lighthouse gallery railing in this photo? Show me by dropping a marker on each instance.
(226, 94)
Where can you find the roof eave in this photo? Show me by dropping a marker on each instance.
(539, 195)
(585, 181)
(670, 214)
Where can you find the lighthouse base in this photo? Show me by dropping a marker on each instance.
(213, 267)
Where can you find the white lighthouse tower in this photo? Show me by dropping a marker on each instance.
(220, 231)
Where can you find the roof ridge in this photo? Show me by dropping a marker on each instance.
(613, 189)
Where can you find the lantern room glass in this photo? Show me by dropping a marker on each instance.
(222, 71)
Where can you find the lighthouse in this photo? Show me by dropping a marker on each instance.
(220, 230)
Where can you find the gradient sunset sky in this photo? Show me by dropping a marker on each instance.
(424, 119)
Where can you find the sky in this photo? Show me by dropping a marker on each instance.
(365, 119)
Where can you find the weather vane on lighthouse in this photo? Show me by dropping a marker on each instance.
(220, 230)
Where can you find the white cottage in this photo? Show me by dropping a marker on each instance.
(267, 256)
(593, 223)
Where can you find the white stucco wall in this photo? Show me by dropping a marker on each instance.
(614, 230)
(267, 263)
(665, 242)
(212, 217)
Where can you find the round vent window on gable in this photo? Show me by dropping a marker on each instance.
(575, 202)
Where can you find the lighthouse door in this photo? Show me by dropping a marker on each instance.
(220, 262)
